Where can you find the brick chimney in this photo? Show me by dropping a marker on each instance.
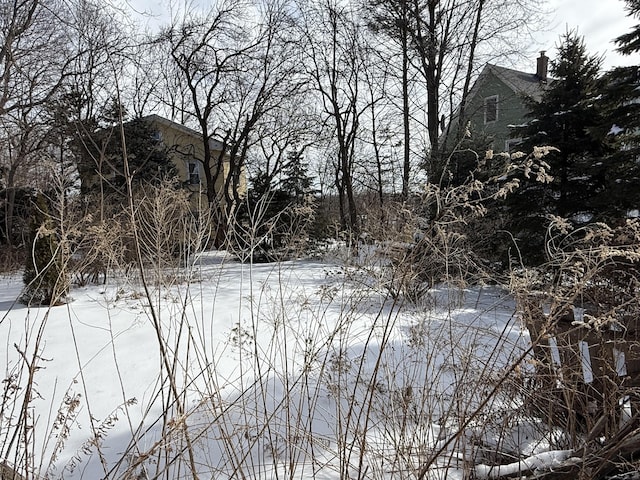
(542, 67)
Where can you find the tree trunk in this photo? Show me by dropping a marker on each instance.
(406, 161)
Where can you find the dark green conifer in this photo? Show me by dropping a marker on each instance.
(281, 203)
(44, 275)
(619, 98)
(563, 119)
(102, 149)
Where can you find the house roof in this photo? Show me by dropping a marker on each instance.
(215, 144)
(522, 83)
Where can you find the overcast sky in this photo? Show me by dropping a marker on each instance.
(598, 21)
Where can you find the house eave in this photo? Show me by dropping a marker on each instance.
(153, 118)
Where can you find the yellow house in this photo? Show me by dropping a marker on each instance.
(186, 151)
(101, 165)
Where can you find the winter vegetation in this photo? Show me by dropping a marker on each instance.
(265, 240)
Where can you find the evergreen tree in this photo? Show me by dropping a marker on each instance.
(563, 119)
(102, 151)
(277, 207)
(296, 182)
(465, 161)
(44, 276)
(620, 129)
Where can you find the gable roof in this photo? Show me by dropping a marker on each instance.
(215, 144)
(522, 83)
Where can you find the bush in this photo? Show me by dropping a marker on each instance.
(170, 230)
(273, 226)
(44, 276)
(442, 234)
(581, 309)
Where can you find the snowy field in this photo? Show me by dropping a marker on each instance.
(302, 370)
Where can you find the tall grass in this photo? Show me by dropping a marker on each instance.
(297, 369)
(296, 377)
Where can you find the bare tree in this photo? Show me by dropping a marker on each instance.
(30, 60)
(202, 51)
(268, 93)
(102, 48)
(239, 68)
(293, 127)
(383, 133)
(392, 20)
(34, 62)
(444, 41)
(335, 66)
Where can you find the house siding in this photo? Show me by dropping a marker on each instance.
(511, 111)
(185, 147)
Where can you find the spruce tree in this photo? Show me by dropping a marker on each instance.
(564, 119)
(620, 130)
(146, 154)
(44, 275)
(296, 182)
(281, 201)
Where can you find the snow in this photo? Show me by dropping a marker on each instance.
(582, 217)
(304, 368)
(615, 130)
(546, 461)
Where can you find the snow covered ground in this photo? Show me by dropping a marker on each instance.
(301, 369)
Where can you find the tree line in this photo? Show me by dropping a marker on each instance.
(364, 83)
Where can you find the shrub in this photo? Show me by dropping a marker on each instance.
(441, 237)
(44, 276)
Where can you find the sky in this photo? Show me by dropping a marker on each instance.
(598, 21)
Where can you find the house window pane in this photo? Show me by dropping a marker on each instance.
(491, 109)
(194, 173)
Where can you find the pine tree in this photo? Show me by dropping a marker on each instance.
(282, 203)
(44, 276)
(296, 183)
(620, 129)
(563, 119)
(146, 154)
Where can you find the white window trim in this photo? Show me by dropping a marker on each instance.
(195, 174)
(487, 99)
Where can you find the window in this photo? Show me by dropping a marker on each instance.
(194, 173)
(491, 109)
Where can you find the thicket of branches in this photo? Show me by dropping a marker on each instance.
(265, 79)
(335, 113)
(360, 93)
